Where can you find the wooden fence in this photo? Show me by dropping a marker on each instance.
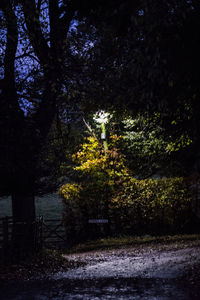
(48, 233)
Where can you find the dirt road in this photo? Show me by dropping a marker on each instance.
(142, 272)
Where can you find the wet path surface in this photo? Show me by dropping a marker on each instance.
(132, 263)
(110, 288)
(142, 273)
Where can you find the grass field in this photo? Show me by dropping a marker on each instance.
(49, 206)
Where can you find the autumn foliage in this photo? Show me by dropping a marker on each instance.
(108, 190)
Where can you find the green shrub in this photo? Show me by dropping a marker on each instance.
(134, 207)
(108, 190)
(153, 205)
(87, 201)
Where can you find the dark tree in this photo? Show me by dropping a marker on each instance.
(46, 25)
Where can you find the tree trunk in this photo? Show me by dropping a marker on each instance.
(23, 210)
(23, 207)
(23, 235)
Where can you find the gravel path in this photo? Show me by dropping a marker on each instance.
(142, 272)
(133, 263)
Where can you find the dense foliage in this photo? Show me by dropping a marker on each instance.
(106, 189)
(153, 206)
(149, 149)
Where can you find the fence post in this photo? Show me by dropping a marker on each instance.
(41, 221)
(5, 239)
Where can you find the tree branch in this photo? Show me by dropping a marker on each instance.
(36, 36)
(68, 17)
(8, 83)
(54, 24)
(29, 55)
(39, 5)
(89, 128)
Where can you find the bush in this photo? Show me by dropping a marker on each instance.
(153, 206)
(134, 207)
(87, 201)
(108, 190)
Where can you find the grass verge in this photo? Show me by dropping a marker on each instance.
(125, 241)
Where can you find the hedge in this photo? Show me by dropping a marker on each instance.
(151, 206)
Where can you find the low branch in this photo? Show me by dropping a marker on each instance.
(89, 128)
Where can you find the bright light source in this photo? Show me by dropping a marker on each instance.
(101, 117)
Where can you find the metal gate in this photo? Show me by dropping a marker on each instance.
(53, 233)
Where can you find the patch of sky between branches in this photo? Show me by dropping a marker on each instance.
(25, 105)
(141, 12)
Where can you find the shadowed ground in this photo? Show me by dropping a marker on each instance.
(142, 272)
